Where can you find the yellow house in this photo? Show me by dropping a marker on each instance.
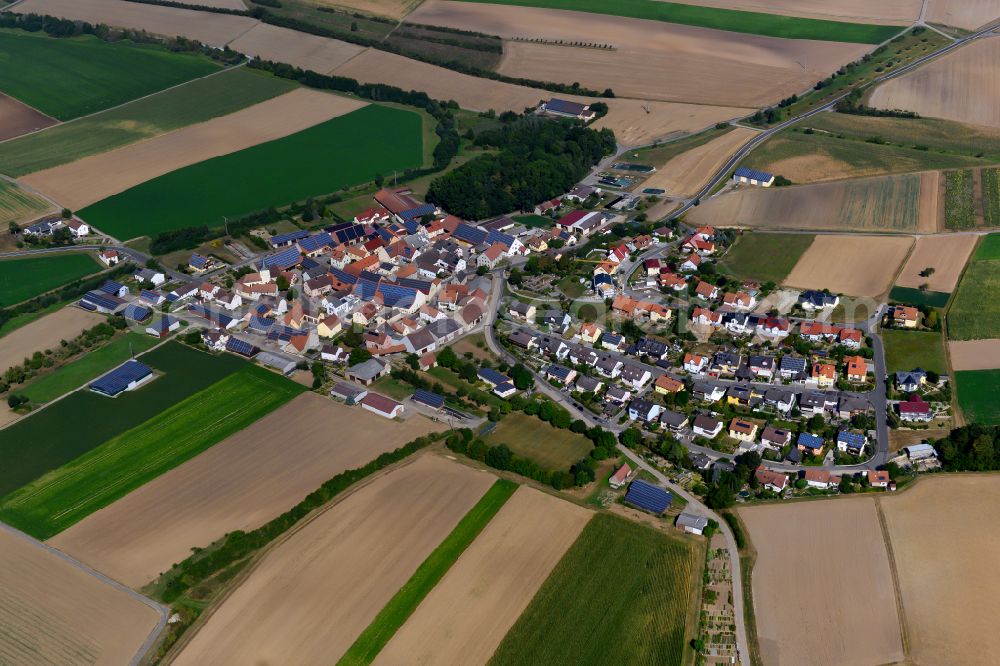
(590, 333)
(329, 327)
(745, 431)
(659, 313)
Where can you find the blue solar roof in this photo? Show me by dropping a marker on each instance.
(290, 237)
(366, 289)
(854, 439)
(418, 212)
(810, 441)
(347, 232)
(111, 287)
(87, 306)
(558, 371)
(219, 318)
(163, 324)
(752, 174)
(149, 296)
(564, 106)
(197, 261)
(646, 496)
(261, 324)
(101, 300)
(470, 234)
(285, 259)
(499, 237)
(241, 347)
(492, 376)
(314, 243)
(118, 379)
(383, 234)
(136, 312)
(432, 399)
(395, 295)
(419, 285)
(343, 276)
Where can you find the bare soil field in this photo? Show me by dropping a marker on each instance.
(17, 118)
(962, 86)
(946, 254)
(825, 561)
(210, 28)
(45, 333)
(887, 12)
(974, 354)
(395, 9)
(945, 544)
(319, 54)
(310, 597)
(902, 438)
(651, 59)
(685, 174)
(52, 612)
(94, 178)
(852, 265)
(239, 484)
(467, 614)
(968, 14)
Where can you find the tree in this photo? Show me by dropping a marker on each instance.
(499, 457)
(358, 355)
(516, 277)
(630, 438)
(523, 379)
(282, 283)
(413, 361)
(447, 357)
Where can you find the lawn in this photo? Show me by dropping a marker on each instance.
(533, 221)
(532, 438)
(84, 74)
(908, 350)
(94, 480)
(344, 151)
(194, 102)
(988, 248)
(431, 571)
(42, 441)
(86, 368)
(959, 200)
(975, 310)
(765, 257)
(18, 205)
(977, 395)
(918, 297)
(21, 279)
(623, 593)
(755, 23)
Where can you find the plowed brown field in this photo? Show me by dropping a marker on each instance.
(854, 265)
(946, 254)
(968, 14)
(974, 354)
(17, 118)
(319, 54)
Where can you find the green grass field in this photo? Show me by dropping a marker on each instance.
(911, 296)
(88, 367)
(975, 310)
(534, 221)
(765, 257)
(19, 205)
(959, 202)
(991, 197)
(431, 571)
(988, 248)
(194, 102)
(532, 438)
(82, 421)
(21, 279)
(755, 23)
(94, 480)
(622, 593)
(84, 74)
(343, 151)
(977, 395)
(908, 350)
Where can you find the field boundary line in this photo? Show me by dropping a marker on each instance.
(160, 609)
(904, 636)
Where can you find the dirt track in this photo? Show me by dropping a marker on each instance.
(685, 174)
(319, 54)
(822, 587)
(946, 254)
(974, 354)
(45, 333)
(238, 484)
(54, 613)
(468, 613)
(853, 265)
(17, 118)
(312, 595)
(93, 178)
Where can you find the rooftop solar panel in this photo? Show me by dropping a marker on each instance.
(290, 237)
(648, 497)
(120, 378)
(284, 259)
(241, 347)
(753, 174)
(136, 312)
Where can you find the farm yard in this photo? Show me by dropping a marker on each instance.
(382, 139)
(826, 561)
(238, 484)
(765, 257)
(854, 265)
(946, 254)
(689, 171)
(17, 118)
(84, 74)
(959, 200)
(943, 533)
(360, 550)
(975, 311)
(98, 177)
(909, 350)
(19, 205)
(54, 613)
(21, 279)
(977, 395)
(528, 436)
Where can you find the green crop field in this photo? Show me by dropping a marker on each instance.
(532, 438)
(18, 205)
(84, 74)
(977, 395)
(991, 197)
(21, 279)
(70, 493)
(959, 201)
(344, 151)
(95, 419)
(911, 296)
(975, 310)
(88, 367)
(908, 350)
(765, 257)
(622, 593)
(194, 102)
(875, 200)
(431, 571)
(534, 221)
(755, 23)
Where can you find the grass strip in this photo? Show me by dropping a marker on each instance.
(918, 297)
(405, 601)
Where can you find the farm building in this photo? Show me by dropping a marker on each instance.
(163, 326)
(381, 405)
(348, 393)
(691, 523)
(567, 109)
(126, 377)
(432, 400)
(367, 371)
(648, 497)
(620, 477)
(753, 177)
(283, 364)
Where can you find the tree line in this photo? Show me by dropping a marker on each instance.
(974, 447)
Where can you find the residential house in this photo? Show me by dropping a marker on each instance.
(643, 410)
(666, 384)
(557, 321)
(492, 377)
(850, 338)
(705, 317)
(609, 366)
(915, 410)
(524, 339)
(675, 421)
(812, 300)
(857, 369)
(775, 327)
(78, 228)
(743, 430)
(613, 341)
(775, 438)
(726, 362)
(782, 400)
(851, 442)
(761, 366)
(792, 367)
(878, 479)
(560, 373)
(708, 391)
(810, 444)
(109, 257)
(198, 263)
(819, 478)
(707, 426)
(691, 264)
(634, 376)
(771, 480)
(620, 477)
(740, 300)
(695, 363)
(588, 384)
(329, 326)
(904, 316)
(909, 382)
(824, 374)
(706, 291)
(617, 395)
(649, 347)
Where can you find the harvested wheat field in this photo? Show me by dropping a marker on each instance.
(210, 28)
(963, 86)
(823, 567)
(91, 179)
(52, 612)
(300, 49)
(946, 254)
(311, 596)
(17, 118)
(852, 265)
(974, 354)
(219, 4)
(885, 12)
(946, 544)
(685, 174)
(45, 333)
(467, 614)
(968, 14)
(238, 484)
(650, 59)
(395, 9)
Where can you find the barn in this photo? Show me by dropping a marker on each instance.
(646, 496)
(753, 177)
(126, 377)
